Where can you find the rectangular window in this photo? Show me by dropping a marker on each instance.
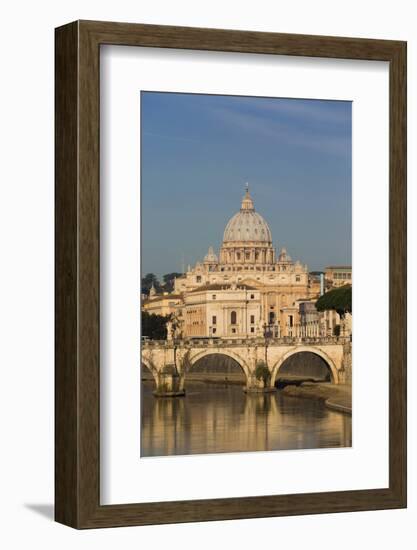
(297, 278)
(198, 278)
(252, 329)
(252, 319)
(252, 296)
(214, 297)
(233, 331)
(214, 331)
(214, 320)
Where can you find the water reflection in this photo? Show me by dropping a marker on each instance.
(214, 418)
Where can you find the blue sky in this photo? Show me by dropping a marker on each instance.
(198, 151)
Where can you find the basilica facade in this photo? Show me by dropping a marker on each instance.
(245, 290)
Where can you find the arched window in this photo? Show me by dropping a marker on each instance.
(233, 318)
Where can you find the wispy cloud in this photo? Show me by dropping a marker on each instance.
(304, 110)
(284, 132)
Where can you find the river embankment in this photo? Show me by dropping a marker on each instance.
(337, 397)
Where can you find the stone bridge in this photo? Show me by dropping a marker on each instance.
(170, 361)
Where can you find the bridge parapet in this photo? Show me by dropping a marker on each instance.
(252, 342)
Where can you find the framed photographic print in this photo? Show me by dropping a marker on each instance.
(230, 274)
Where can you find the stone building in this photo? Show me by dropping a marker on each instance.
(308, 312)
(338, 275)
(228, 310)
(247, 288)
(161, 304)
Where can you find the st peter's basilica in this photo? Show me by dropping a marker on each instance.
(243, 291)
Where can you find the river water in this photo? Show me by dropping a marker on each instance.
(214, 418)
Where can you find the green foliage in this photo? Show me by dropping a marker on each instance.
(154, 326)
(147, 281)
(151, 279)
(338, 299)
(262, 372)
(169, 281)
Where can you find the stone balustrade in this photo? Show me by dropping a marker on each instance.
(239, 342)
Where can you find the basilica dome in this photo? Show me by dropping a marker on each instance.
(247, 225)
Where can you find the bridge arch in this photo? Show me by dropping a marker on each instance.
(194, 357)
(148, 364)
(309, 349)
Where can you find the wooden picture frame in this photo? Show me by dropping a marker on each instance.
(77, 405)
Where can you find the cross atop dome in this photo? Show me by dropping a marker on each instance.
(247, 202)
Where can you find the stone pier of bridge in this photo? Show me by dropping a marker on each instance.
(170, 361)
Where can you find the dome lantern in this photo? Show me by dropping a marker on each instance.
(247, 202)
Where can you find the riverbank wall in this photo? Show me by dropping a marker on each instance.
(335, 397)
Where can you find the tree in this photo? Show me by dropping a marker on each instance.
(169, 281)
(147, 282)
(338, 299)
(154, 326)
(262, 372)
